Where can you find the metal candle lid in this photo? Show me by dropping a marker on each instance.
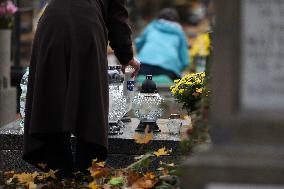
(149, 86)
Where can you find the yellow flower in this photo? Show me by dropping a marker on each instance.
(199, 90)
(198, 81)
(203, 74)
(201, 46)
(176, 81)
(189, 83)
(181, 91)
(174, 91)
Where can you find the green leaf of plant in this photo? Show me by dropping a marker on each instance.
(144, 162)
(116, 181)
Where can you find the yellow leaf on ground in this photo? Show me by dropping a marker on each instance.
(144, 138)
(32, 185)
(150, 175)
(95, 173)
(93, 185)
(25, 178)
(162, 152)
(42, 165)
(101, 164)
(51, 174)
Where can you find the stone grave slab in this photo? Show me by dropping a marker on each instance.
(122, 148)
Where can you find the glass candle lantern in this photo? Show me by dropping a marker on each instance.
(147, 106)
(118, 102)
(174, 124)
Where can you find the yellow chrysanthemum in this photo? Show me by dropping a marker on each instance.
(189, 83)
(181, 91)
(199, 90)
(176, 81)
(201, 46)
(198, 81)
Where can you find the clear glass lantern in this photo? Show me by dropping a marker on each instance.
(174, 124)
(147, 106)
(118, 102)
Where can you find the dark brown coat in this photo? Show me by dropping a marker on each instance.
(68, 87)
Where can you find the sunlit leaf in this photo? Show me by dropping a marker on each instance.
(93, 185)
(25, 178)
(101, 164)
(162, 152)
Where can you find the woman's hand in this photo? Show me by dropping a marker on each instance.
(135, 64)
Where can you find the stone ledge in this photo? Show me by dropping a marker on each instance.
(8, 104)
(11, 160)
(122, 148)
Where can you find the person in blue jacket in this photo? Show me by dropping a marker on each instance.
(162, 47)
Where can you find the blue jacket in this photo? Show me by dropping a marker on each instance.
(163, 43)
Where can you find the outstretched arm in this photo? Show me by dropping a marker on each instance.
(120, 31)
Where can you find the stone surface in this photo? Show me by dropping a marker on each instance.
(247, 137)
(8, 96)
(243, 166)
(262, 54)
(242, 186)
(8, 105)
(122, 148)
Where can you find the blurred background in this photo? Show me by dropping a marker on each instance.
(196, 18)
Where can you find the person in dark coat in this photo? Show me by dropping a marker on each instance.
(68, 87)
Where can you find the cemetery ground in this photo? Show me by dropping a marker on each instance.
(154, 165)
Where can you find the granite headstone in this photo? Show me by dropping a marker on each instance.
(247, 122)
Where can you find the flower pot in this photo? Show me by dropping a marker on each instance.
(5, 58)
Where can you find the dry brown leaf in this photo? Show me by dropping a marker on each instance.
(150, 175)
(145, 183)
(144, 138)
(42, 165)
(98, 170)
(9, 174)
(133, 177)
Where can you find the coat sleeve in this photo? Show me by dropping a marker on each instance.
(120, 31)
